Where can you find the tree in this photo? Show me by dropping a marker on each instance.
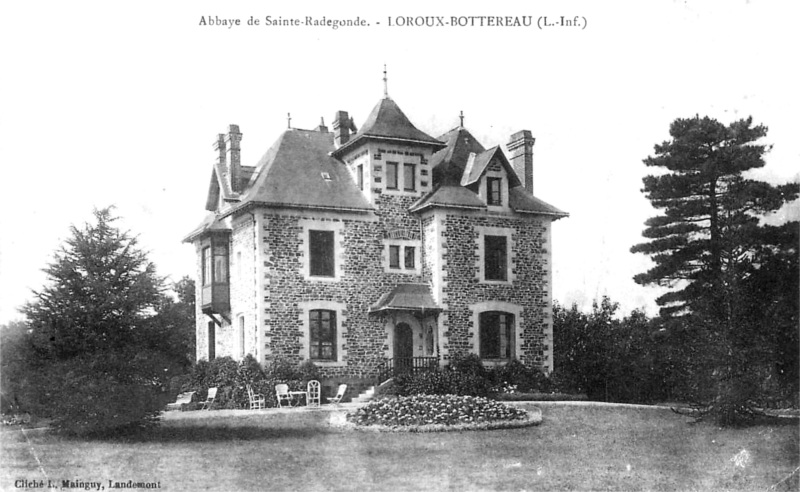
(14, 353)
(99, 358)
(175, 323)
(710, 247)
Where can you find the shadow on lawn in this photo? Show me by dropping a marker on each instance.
(211, 434)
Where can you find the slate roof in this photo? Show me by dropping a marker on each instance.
(522, 201)
(211, 223)
(388, 122)
(449, 196)
(298, 171)
(460, 164)
(406, 297)
(448, 163)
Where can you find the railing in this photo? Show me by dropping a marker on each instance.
(405, 365)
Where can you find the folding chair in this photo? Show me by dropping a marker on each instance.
(282, 393)
(181, 402)
(212, 395)
(312, 394)
(339, 395)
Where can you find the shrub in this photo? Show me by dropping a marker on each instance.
(432, 410)
(441, 382)
(232, 378)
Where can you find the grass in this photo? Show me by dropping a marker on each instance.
(575, 448)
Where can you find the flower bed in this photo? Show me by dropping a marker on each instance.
(420, 413)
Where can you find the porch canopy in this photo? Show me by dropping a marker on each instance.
(416, 298)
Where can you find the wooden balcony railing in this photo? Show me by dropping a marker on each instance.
(405, 365)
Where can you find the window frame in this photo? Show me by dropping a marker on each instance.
(394, 256)
(413, 175)
(331, 339)
(502, 343)
(324, 266)
(413, 257)
(492, 258)
(360, 176)
(490, 200)
(206, 269)
(392, 175)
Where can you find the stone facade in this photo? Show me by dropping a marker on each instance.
(400, 236)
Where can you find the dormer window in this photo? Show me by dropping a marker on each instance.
(409, 177)
(494, 191)
(391, 175)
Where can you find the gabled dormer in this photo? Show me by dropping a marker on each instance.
(490, 176)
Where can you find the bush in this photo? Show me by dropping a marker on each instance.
(441, 382)
(232, 378)
(85, 396)
(433, 409)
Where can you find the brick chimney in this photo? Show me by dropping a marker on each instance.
(520, 146)
(342, 124)
(234, 158)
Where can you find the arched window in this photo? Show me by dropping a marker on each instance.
(322, 325)
(496, 335)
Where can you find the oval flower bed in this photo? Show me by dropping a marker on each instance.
(425, 413)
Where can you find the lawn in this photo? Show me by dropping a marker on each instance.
(575, 448)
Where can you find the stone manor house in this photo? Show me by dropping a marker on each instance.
(374, 250)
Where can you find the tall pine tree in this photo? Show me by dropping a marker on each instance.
(710, 246)
(99, 358)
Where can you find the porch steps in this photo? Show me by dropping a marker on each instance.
(365, 396)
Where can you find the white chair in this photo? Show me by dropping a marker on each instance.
(339, 395)
(212, 395)
(181, 402)
(312, 394)
(282, 393)
(257, 401)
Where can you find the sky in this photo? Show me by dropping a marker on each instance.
(119, 103)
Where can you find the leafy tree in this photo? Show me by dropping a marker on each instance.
(711, 247)
(174, 323)
(99, 358)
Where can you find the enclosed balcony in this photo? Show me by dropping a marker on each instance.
(215, 290)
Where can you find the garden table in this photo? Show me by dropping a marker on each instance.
(296, 397)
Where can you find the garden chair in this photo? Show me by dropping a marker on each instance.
(282, 393)
(257, 400)
(312, 394)
(339, 395)
(181, 402)
(212, 395)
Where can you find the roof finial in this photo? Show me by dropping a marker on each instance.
(385, 83)
(461, 117)
(289, 120)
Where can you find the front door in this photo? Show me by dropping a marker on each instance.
(403, 348)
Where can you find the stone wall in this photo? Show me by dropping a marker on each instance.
(527, 288)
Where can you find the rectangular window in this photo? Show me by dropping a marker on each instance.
(321, 250)
(409, 257)
(221, 264)
(394, 256)
(391, 175)
(495, 258)
(496, 335)
(212, 340)
(360, 176)
(322, 324)
(409, 177)
(206, 260)
(493, 191)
